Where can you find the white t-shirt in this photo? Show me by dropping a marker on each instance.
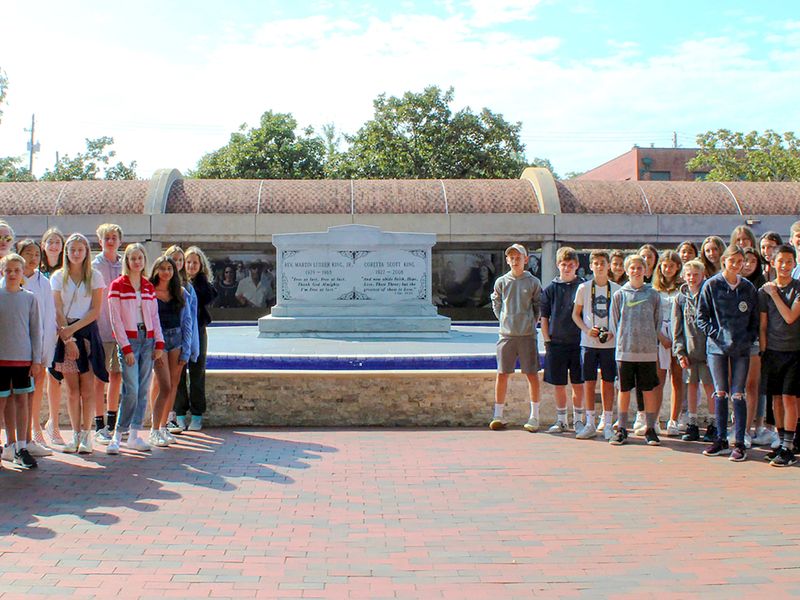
(595, 314)
(78, 307)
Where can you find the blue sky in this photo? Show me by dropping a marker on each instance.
(588, 79)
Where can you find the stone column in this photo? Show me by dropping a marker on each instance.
(549, 269)
(153, 250)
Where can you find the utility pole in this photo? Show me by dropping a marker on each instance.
(674, 139)
(32, 147)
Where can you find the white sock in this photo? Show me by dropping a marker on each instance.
(590, 417)
(21, 445)
(608, 417)
(498, 411)
(534, 410)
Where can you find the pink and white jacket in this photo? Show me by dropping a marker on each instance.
(124, 315)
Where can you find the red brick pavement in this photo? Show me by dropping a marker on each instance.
(399, 514)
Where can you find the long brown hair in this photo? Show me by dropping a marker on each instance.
(45, 267)
(660, 283)
(174, 285)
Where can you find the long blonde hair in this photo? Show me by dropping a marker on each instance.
(86, 267)
(173, 250)
(130, 249)
(205, 266)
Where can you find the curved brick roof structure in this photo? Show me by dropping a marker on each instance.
(471, 196)
(73, 197)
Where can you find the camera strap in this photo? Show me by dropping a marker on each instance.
(594, 293)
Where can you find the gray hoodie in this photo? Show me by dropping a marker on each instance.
(636, 319)
(687, 339)
(516, 304)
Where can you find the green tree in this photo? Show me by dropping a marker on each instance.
(573, 174)
(95, 163)
(273, 150)
(735, 156)
(544, 163)
(418, 136)
(12, 169)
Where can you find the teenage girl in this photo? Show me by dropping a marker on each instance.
(667, 282)
(728, 315)
(52, 258)
(177, 254)
(650, 255)
(133, 312)
(743, 237)
(175, 318)
(79, 355)
(710, 253)
(39, 285)
(616, 271)
(198, 270)
(687, 251)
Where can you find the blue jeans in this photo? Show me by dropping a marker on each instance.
(729, 374)
(135, 383)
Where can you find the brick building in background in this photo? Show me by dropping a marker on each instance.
(647, 164)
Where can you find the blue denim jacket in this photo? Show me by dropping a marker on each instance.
(728, 317)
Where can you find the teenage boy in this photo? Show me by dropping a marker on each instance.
(689, 346)
(592, 304)
(109, 263)
(20, 352)
(562, 340)
(636, 321)
(515, 302)
(779, 342)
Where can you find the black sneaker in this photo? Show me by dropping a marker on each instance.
(23, 459)
(773, 454)
(718, 448)
(651, 437)
(711, 434)
(619, 438)
(692, 434)
(785, 458)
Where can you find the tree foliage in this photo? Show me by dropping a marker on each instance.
(544, 163)
(273, 150)
(418, 136)
(95, 163)
(736, 156)
(12, 169)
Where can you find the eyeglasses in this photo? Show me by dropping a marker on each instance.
(6, 238)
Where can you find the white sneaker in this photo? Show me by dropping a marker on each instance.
(640, 424)
(578, 426)
(85, 443)
(673, 429)
(167, 436)
(38, 450)
(156, 439)
(748, 441)
(763, 436)
(532, 425)
(601, 426)
(113, 446)
(608, 433)
(557, 427)
(102, 436)
(71, 446)
(136, 443)
(683, 422)
(587, 432)
(8, 453)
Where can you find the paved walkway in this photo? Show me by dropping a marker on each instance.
(399, 514)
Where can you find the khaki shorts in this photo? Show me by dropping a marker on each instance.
(112, 357)
(697, 372)
(524, 348)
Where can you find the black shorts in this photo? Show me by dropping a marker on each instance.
(779, 372)
(593, 359)
(562, 361)
(15, 380)
(640, 375)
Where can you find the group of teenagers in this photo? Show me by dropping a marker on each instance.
(720, 320)
(100, 328)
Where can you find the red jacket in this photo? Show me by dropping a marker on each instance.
(124, 314)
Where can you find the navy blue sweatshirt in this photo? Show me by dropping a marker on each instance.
(558, 299)
(728, 317)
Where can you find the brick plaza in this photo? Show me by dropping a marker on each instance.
(399, 513)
